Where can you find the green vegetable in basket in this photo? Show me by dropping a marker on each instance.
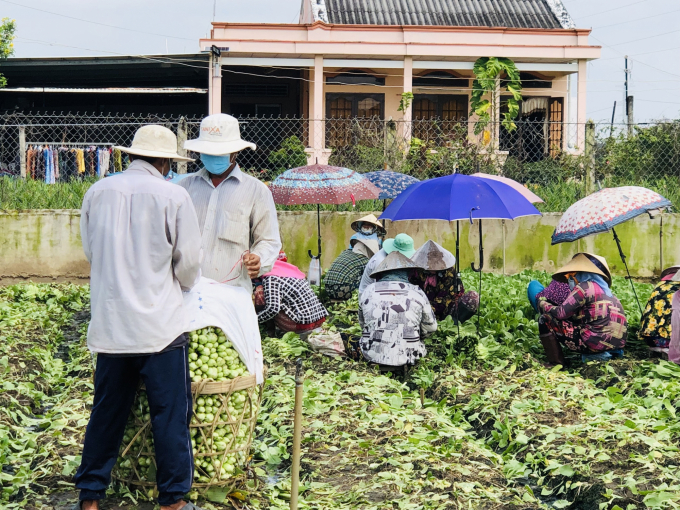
(219, 423)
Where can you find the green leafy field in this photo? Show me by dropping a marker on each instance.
(480, 424)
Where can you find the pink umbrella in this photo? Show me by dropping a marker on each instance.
(531, 197)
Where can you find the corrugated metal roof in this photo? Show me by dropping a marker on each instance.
(476, 13)
(108, 90)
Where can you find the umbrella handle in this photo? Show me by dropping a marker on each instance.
(481, 249)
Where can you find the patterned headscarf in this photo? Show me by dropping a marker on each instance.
(584, 276)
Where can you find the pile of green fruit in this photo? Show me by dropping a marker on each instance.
(211, 356)
(222, 424)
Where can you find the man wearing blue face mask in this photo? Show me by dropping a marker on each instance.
(236, 212)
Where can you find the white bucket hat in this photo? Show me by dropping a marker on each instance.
(154, 141)
(219, 135)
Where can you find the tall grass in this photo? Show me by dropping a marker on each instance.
(21, 194)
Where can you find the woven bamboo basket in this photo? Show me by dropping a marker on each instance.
(222, 438)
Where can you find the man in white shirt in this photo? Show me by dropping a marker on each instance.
(236, 212)
(141, 237)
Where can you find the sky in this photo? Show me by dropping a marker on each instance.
(646, 30)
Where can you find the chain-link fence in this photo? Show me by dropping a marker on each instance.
(560, 162)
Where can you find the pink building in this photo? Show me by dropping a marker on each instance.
(353, 59)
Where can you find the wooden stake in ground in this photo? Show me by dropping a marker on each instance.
(297, 437)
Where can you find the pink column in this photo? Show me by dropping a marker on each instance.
(316, 124)
(408, 87)
(215, 87)
(581, 105)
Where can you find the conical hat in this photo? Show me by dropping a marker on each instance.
(394, 261)
(584, 262)
(432, 257)
(368, 219)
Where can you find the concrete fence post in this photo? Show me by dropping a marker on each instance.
(590, 157)
(181, 138)
(22, 151)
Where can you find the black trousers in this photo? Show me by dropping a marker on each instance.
(168, 386)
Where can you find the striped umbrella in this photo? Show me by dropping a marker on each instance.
(321, 184)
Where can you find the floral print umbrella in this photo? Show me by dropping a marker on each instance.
(321, 184)
(604, 209)
(390, 183)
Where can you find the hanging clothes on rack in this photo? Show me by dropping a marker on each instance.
(47, 157)
(55, 159)
(80, 160)
(30, 162)
(91, 162)
(117, 161)
(103, 157)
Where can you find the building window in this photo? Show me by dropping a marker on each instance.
(369, 107)
(556, 126)
(539, 132)
(351, 116)
(435, 116)
(440, 79)
(355, 78)
(340, 108)
(532, 81)
(346, 106)
(444, 107)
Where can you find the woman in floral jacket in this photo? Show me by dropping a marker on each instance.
(655, 325)
(591, 320)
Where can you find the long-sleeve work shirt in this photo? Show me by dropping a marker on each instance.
(238, 215)
(140, 235)
(373, 263)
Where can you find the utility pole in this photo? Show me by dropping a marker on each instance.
(629, 102)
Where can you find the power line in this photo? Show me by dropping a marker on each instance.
(153, 59)
(96, 22)
(638, 54)
(637, 20)
(643, 38)
(610, 10)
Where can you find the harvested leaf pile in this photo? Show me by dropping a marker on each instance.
(495, 429)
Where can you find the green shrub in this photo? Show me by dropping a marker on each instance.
(291, 155)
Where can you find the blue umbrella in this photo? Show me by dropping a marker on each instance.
(460, 197)
(390, 183)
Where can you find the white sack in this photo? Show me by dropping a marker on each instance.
(230, 308)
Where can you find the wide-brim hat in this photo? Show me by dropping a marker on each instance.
(669, 273)
(356, 225)
(586, 262)
(154, 141)
(371, 244)
(395, 261)
(219, 135)
(402, 243)
(433, 257)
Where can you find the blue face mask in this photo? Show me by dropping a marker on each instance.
(216, 165)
